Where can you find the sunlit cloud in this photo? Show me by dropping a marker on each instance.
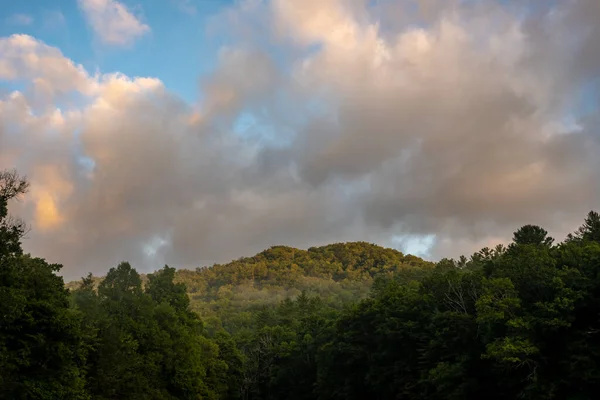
(437, 129)
(113, 22)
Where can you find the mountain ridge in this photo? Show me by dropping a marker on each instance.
(340, 272)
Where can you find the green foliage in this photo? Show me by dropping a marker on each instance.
(532, 235)
(40, 341)
(146, 344)
(339, 274)
(162, 288)
(590, 230)
(520, 322)
(11, 230)
(343, 270)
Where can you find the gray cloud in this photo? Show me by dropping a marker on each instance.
(445, 119)
(460, 136)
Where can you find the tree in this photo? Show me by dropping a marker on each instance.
(147, 344)
(161, 287)
(590, 230)
(41, 350)
(532, 235)
(12, 186)
(191, 365)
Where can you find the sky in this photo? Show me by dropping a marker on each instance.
(190, 132)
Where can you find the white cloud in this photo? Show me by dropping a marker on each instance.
(23, 58)
(113, 22)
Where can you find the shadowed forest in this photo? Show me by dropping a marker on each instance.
(343, 321)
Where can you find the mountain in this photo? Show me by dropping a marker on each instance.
(339, 273)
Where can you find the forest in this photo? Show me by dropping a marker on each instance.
(343, 321)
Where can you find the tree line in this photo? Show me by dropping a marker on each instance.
(350, 321)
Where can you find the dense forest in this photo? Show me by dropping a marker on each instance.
(344, 321)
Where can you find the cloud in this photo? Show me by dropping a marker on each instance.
(113, 22)
(456, 125)
(20, 19)
(442, 126)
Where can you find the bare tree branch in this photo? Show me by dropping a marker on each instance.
(12, 185)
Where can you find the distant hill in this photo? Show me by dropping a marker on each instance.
(339, 273)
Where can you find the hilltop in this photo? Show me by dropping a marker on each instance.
(339, 273)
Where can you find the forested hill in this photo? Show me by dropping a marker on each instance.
(284, 265)
(339, 273)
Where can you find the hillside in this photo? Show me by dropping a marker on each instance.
(338, 273)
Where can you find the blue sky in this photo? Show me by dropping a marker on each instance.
(181, 48)
(177, 50)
